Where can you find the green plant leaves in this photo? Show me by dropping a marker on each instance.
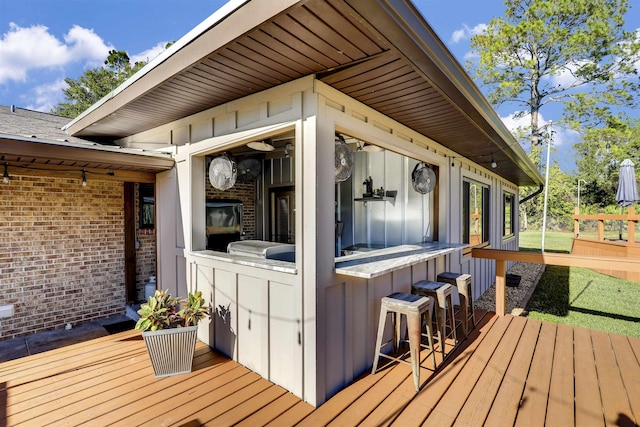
(161, 311)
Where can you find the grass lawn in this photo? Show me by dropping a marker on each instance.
(554, 241)
(581, 297)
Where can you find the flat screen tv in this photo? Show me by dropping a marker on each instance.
(224, 223)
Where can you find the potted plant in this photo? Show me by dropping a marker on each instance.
(169, 329)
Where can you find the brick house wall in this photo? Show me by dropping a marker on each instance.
(61, 252)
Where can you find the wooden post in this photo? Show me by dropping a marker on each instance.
(576, 223)
(601, 229)
(631, 226)
(501, 287)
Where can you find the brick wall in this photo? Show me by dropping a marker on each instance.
(246, 193)
(61, 252)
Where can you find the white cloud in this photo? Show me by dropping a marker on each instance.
(83, 43)
(515, 124)
(45, 97)
(149, 54)
(561, 135)
(458, 35)
(23, 49)
(471, 56)
(467, 32)
(565, 76)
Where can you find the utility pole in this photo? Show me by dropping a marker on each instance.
(578, 229)
(546, 185)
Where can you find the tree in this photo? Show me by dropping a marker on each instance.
(522, 54)
(96, 83)
(560, 202)
(598, 158)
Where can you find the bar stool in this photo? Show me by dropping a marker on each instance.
(414, 307)
(442, 293)
(465, 291)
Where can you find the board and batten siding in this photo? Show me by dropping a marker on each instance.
(256, 319)
(263, 319)
(311, 331)
(352, 305)
(482, 271)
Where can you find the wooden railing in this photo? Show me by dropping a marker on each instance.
(501, 257)
(631, 217)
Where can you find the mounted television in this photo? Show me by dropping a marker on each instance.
(224, 223)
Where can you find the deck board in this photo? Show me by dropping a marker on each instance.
(629, 364)
(507, 371)
(446, 411)
(561, 392)
(423, 403)
(479, 402)
(533, 406)
(387, 411)
(588, 403)
(293, 416)
(271, 411)
(617, 411)
(507, 401)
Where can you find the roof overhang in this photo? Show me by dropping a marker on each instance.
(53, 158)
(380, 52)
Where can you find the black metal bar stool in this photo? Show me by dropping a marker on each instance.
(465, 291)
(415, 308)
(442, 293)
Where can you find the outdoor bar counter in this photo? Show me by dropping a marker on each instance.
(366, 265)
(267, 264)
(375, 263)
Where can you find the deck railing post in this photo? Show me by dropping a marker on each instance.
(601, 229)
(501, 287)
(631, 226)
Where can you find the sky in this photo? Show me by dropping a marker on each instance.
(44, 41)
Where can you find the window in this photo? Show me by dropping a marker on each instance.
(147, 208)
(508, 210)
(475, 213)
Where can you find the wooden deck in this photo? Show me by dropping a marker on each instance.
(510, 371)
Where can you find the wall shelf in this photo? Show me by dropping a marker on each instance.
(375, 199)
(389, 196)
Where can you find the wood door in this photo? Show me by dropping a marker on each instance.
(130, 242)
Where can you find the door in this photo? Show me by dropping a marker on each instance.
(282, 211)
(130, 242)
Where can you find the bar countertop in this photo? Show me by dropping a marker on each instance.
(375, 263)
(267, 264)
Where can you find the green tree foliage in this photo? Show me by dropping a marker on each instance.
(598, 158)
(560, 203)
(94, 84)
(537, 40)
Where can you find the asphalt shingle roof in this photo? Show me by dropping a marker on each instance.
(35, 124)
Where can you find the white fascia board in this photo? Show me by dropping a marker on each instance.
(196, 32)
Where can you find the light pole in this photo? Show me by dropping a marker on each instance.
(580, 180)
(546, 185)
(578, 226)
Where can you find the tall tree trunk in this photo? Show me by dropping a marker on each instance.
(524, 223)
(536, 137)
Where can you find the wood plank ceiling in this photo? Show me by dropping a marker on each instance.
(331, 39)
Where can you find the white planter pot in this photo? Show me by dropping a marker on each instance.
(171, 350)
